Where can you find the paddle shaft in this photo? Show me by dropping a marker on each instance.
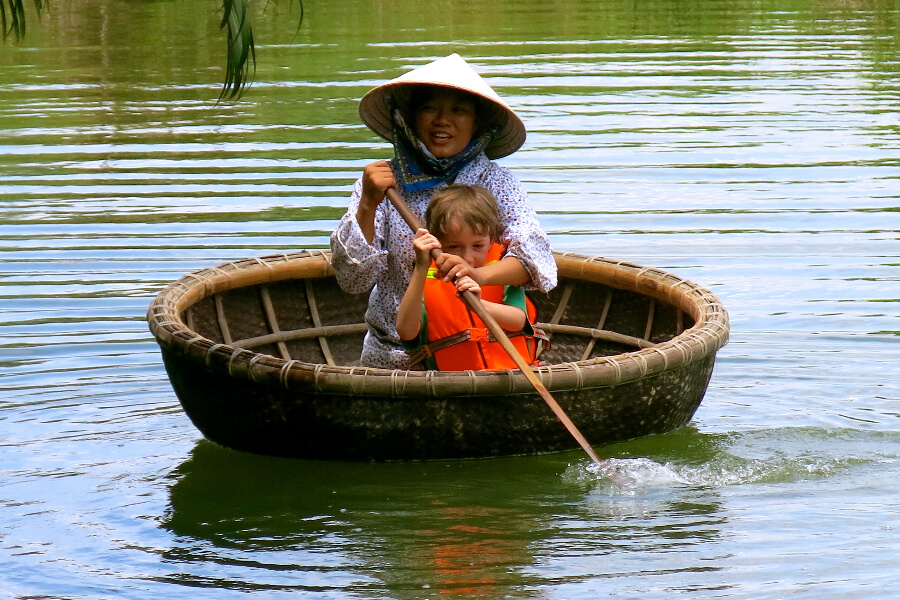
(475, 305)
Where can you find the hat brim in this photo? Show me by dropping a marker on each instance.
(453, 73)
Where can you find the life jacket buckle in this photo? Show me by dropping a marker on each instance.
(478, 334)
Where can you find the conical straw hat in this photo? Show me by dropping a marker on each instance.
(451, 72)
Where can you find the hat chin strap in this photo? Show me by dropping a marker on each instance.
(425, 150)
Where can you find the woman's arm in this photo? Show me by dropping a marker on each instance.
(359, 260)
(376, 179)
(522, 234)
(506, 271)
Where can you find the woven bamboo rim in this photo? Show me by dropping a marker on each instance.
(708, 334)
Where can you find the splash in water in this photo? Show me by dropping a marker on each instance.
(630, 476)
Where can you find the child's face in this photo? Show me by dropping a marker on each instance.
(466, 244)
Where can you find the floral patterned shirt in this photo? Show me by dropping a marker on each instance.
(387, 263)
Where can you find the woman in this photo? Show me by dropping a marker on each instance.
(446, 125)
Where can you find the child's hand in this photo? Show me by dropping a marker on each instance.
(451, 267)
(423, 244)
(465, 283)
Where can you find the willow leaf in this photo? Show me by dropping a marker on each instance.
(241, 53)
(15, 23)
(20, 13)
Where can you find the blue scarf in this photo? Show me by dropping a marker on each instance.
(421, 170)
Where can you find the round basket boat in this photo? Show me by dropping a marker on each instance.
(264, 356)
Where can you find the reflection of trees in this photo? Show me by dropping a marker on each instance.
(354, 25)
(236, 24)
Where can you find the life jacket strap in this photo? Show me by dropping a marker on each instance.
(475, 334)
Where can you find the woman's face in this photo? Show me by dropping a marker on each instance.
(445, 122)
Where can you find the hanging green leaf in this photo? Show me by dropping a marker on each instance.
(14, 24)
(240, 60)
(241, 55)
(240, 48)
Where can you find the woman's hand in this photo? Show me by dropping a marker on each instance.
(377, 178)
(423, 244)
(466, 283)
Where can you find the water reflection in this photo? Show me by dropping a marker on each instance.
(416, 528)
(470, 528)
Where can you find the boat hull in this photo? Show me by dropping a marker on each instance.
(263, 356)
(271, 420)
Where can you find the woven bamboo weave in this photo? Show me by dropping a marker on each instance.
(707, 330)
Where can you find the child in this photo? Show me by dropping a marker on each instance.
(434, 324)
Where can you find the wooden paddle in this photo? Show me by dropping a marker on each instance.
(474, 304)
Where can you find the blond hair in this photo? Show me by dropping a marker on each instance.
(470, 204)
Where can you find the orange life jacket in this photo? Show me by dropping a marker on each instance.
(471, 345)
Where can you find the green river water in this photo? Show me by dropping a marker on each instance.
(750, 146)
